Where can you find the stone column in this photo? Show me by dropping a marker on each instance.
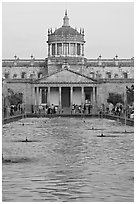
(40, 96)
(71, 95)
(96, 94)
(82, 49)
(60, 97)
(62, 48)
(33, 96)
(55, 48)
(37, 96)
(76, 49)
(44, 94)
(50, 49)
(48, 97)
(68, 49)
(94, 100)
(83, 95)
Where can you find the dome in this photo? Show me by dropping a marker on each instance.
(66, 30)
(65, 33)
(66, 41)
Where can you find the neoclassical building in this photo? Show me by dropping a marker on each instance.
(66, 77)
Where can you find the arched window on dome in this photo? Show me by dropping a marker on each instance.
(53, 49)
(78, 49)
(72, 49)
(59, 49)
(66, 50)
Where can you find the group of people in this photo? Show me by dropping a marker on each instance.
(86, 108)
(47, 109)
(12, 110)
(16, 108)
(117, 110)
(53, 109)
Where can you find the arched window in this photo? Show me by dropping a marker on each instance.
(103, 64)
(65, 49)
(78, 49)
(6, 75)
(115, 75)
(108, 75)
(59, 49)
(31, 76)
(72, 49)
(92, 74)
(39, 75)
(125, 75)
(14, 76)
(23, 75)
(53, 49)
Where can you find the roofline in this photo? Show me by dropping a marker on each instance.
(94, 59)
(23, 59)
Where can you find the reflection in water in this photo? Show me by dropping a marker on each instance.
(16, 160)
(65, 161)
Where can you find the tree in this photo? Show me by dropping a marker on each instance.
(115, 98)
(130, 94)
(15, 98)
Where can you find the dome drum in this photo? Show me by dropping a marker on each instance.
(66, 49)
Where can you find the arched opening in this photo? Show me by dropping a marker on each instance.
(23, 75)
(40, 75)
(14, 76)
(125, 75)
(6, 75)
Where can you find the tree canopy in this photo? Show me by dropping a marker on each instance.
(130, 94)
(15, 98)
(115, 98)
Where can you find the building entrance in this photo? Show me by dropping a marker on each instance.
(65, 96)
(88, 94)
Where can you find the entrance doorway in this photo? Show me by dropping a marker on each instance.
(65, 96)
(88, 94)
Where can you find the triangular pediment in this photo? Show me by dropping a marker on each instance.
(66, 76)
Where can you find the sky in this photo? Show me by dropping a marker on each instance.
(109, 27)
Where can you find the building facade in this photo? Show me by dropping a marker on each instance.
(66, 77)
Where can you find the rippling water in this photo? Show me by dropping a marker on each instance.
(67, 161)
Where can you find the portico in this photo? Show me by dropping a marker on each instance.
(65, 88)
(64, 95)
